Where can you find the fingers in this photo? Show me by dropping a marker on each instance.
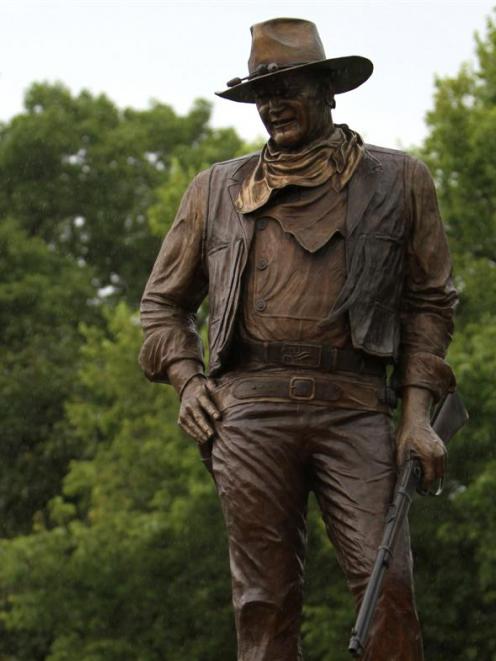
(440, 464)
(405, 451)
(192, 429)
(208, 406)
(428, 474)
(428, 448)
(434, 465)
(203, 422)
(196, 416)
(195, 423)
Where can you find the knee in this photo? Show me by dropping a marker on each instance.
(256, 613)
(265, 600)
(268, 630)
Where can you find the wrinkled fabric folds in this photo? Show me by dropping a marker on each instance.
(405, 315)
(333, 158)
(267, 457)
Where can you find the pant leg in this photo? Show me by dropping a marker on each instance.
(353, 477)
(257, 465)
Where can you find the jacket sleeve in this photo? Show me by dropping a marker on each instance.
(174, 291)
(429, 297)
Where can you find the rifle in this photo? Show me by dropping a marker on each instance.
(449, 416)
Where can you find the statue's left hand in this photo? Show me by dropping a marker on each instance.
(420, 439)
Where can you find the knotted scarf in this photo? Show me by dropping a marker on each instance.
(333, 157)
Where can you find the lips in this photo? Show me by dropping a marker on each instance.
(282, 123)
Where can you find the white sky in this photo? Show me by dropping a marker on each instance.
(178, 51)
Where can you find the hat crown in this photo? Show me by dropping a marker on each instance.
(285, 42)
(281, 45)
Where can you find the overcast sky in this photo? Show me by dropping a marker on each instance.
(178, 51)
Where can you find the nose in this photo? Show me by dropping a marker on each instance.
(275, 104)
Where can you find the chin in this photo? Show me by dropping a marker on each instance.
(287, 139)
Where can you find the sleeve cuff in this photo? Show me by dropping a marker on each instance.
(181, 372)
(426, 370)
(159, 354)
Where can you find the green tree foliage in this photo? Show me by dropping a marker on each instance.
(127, 557)
(43, 298)
(460, 151)
(81, 174)
(78, 175)
(454, 536)
(132, 563)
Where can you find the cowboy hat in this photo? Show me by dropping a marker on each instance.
(293, 44)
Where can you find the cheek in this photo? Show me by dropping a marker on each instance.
(301, 115)
(266, 123)
(262, 111)
(309, 121)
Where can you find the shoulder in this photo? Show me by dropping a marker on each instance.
(216, 177)
(227, 169)
(220, 172)
(414, 168)
(232, 167)
(389, 155)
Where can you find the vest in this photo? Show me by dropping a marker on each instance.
(377, 221)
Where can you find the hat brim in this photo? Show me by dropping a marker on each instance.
(346, 74)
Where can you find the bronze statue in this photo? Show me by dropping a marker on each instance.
(325, 261)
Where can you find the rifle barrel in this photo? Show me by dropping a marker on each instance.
(449, 416)
(408, 483)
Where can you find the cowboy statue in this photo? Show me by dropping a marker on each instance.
(326, 266)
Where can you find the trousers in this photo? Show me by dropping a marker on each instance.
(268, 455)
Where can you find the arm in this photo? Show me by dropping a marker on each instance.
(172, 351)
(429, 301)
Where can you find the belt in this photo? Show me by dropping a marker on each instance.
(301, 389)
(312, 356)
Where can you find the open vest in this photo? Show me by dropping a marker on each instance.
(377, 221)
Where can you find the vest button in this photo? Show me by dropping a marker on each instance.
(262, 223)
(262, 263)
(260, 305)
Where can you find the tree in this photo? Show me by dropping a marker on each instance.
(73, 171)
(80, 174)
(456, 564)
(92, 495)
(132, 563)
(43, 299)
(127, 558)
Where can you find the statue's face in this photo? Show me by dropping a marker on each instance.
(293, 109)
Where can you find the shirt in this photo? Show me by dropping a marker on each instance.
(296, 268)
(180, 278)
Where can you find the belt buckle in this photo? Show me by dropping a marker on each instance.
(302, 388)
(301, 355)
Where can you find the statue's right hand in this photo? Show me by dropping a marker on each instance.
(198, 412)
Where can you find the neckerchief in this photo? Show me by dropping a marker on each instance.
(333, 157)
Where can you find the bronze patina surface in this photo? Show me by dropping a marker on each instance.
(324, 260)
